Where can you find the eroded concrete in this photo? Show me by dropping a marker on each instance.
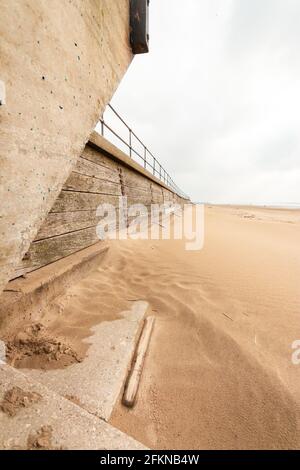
(60, 62)
(97, 382)
(53, 422)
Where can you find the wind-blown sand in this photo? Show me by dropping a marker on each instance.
(218, 373)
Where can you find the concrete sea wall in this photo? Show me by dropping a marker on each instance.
(60, 63)
(102, 173)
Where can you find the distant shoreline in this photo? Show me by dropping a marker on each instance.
(287, 206)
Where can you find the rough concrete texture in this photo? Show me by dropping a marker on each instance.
(50, 421)
(60, 62)
(101, 175)
(28, 297)
(97, 382)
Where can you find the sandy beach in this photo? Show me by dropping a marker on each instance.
(218, 373)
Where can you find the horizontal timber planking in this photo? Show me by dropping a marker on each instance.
(83, 183)
(97, 178)
(157, 194)
(64, 222)
(51, 249)
(132, 179)
(85, 167)
(98, 158)
(78, 201)
(136, 193)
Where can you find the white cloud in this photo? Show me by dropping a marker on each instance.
(218, 97)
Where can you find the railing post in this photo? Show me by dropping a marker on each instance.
(161, 172)
(130, 147)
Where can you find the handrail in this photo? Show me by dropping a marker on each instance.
(151, 164)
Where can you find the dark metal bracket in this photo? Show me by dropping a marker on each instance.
(139, 26)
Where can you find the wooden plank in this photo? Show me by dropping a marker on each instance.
(156, 194)
(157, 200)
(167, 195)
(137, 192)
(79, 182)
(64, 222)
(99, 158)
(51, 249)
(85, 167)
(71, 223)
(133, 380)
(134, 179)
(69, 201)
(131, 217)
(157, 190)
(132, 199)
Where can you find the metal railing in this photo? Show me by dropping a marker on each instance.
(150, 162)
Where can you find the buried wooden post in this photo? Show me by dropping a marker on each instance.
(133, 379)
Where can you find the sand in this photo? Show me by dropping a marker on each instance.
(42, 440)
(15, 399)
(218, 373)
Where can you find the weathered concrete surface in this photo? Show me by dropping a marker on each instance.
(98, 380)
(101, 175)
(68, 426)
(61, 62)
(28, 297)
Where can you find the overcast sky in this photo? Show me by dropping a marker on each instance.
(217, 99)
